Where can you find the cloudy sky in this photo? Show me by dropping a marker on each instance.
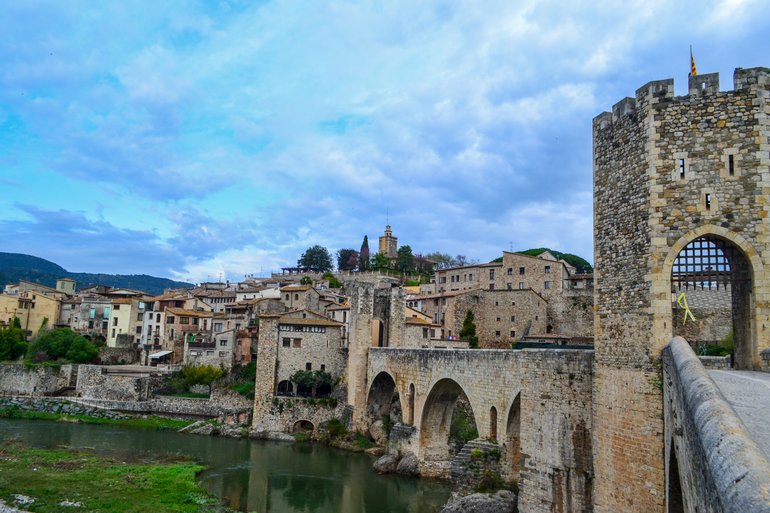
(189, 139)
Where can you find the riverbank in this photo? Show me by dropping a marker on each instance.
(151, 422)
(52, 480)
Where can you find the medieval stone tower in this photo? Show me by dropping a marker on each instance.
(681, 201)
(389, 244)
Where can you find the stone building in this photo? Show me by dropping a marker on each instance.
(32, 308)
(388, 244)
(680, 202)
(308, 341)
(301, 297)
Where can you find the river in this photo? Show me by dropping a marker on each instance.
(253, 475)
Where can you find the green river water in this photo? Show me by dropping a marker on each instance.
(262, 476)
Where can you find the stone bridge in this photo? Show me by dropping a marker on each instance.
(535, 404)
(716, 459)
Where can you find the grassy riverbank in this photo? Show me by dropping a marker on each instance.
(160, 423)
(98, 483)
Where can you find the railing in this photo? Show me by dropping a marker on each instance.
(720, 467)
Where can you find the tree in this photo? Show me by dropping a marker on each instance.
(12, 343)
(405, 259)
(468, 331)
(63, 343)
(306, 280)
(317, 259)
(347, 259)
(312, 381)
(422, 264)
(380, 262)
(334, 283)
(363, 255)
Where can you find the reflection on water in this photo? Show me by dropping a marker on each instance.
(267, 477)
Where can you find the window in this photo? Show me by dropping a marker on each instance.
(510, 271)
(138, 330)
(323, 367)
(114, 321)
(195, 321)
(296, 342)
(681, 168)
(509, 285)
(222, 354)
(491, 286)
(547, 285)
(113, 332)
(491, 274)
(106, 312)
(105, 324)
(708, 199)
(497, 333)
(92, 313)
(521, 271)
(223, 343)
(170, 319)
(425, 333)
(286, 342)
(184, 320)
(521, 285)
(209, 353)
(288, 297)
(217, 327)
(308, 366)
(513, 318)
(296, 297)
(139, 316)
(513, 333)
(157, 318)
(470, 277)
(498, 319)
(547, 269)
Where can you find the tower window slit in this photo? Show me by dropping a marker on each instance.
(681, 169)
(731, 165)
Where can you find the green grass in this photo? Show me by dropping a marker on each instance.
(159, 423)
(99, 483)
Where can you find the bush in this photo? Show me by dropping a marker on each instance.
(334, 283)
(336, 428)
(62, 343)
(12, 343)
(489, 482)
(311, 381)
(363, 442)
(181, 381)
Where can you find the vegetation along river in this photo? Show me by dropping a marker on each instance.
(248, 475)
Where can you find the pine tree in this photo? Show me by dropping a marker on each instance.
(468, 331)
(363, 255)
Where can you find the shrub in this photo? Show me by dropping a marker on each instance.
(12, 343)
(62, 343)
(363, 442)
(489, 482)
(336, 428)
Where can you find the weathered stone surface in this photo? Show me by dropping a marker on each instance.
(503, 501)
(378, 433)
(408, 465)
(386, 464)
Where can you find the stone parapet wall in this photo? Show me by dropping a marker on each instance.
(95, 381)
(181, 406)
(18, 379)
(716, 362)
(286, 412)
(712, 463)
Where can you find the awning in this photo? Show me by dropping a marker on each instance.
(160, 354)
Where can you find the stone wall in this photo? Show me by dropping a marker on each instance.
(17, 379)
(286, 413)
(298, 349)
(710, 326)
(55, 405)
(556, 445)
(119, 355)
(571, 313)
(645, 212)
(99, 382)
(712, 464)
(173, 406)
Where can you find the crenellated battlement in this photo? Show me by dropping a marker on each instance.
(698, 86)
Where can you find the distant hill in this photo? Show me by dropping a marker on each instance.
(579, 263)
(15, 267)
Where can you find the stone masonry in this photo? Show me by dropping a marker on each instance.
(668, 170)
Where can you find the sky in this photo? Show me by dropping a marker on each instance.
(199, 140)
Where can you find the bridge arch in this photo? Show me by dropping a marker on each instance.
(436, 422)
(380, 396)
(513, 440)
(712, 258)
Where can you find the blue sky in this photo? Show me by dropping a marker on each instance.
(193, 139)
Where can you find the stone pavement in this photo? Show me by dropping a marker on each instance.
(748, 392)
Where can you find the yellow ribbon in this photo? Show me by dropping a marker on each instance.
(682, 302)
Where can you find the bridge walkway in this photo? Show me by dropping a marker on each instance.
(748, 392)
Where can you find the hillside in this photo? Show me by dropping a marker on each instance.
(579, 263)
(15, 267)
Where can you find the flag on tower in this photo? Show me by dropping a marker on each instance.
(693, 69)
